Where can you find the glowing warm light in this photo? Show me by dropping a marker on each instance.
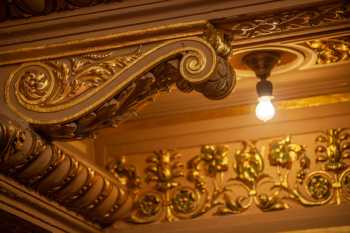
(264, 109)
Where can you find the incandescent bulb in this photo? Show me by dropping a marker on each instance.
(264, 109)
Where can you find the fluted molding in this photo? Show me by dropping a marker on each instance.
(43, 167)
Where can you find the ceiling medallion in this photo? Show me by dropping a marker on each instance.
(291, 58)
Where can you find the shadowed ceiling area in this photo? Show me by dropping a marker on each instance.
(19, 9)
(10, 223)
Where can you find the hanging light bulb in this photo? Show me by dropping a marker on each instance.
(262, 62)
(264, 109)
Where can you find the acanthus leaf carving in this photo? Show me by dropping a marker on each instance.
(223, 181)
(218, 181)
(332, 50)
(95, 91)
(54, 85)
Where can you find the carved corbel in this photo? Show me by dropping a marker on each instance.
(70, 97)
(59, 176)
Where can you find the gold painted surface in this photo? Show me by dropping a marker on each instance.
(220, 180)
(239, 110)
(287, 21)
(218, 39)
(189, 72)
(331, 51)
(314, 101)
(340, 229)
(58, 84)
(72, 97)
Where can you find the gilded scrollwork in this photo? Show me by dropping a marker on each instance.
(249, 164)
(213, 158)
(219, 40)
(333, 149)
(330, 51)
(125, 174)
(219, 180)
(55, 85)
(287, 21)
(163, 170)
(283, 153)
(249, 169)
(222, 181)
(148, 206)
(184, 200)
(99, 90)
(319, 187)
(345, 184)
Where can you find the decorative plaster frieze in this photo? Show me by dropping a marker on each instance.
(271, 175)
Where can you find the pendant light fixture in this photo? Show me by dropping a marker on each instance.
(262, 62)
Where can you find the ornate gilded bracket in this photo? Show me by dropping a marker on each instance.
(72, 97)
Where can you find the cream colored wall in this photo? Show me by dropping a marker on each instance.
(84, 149)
